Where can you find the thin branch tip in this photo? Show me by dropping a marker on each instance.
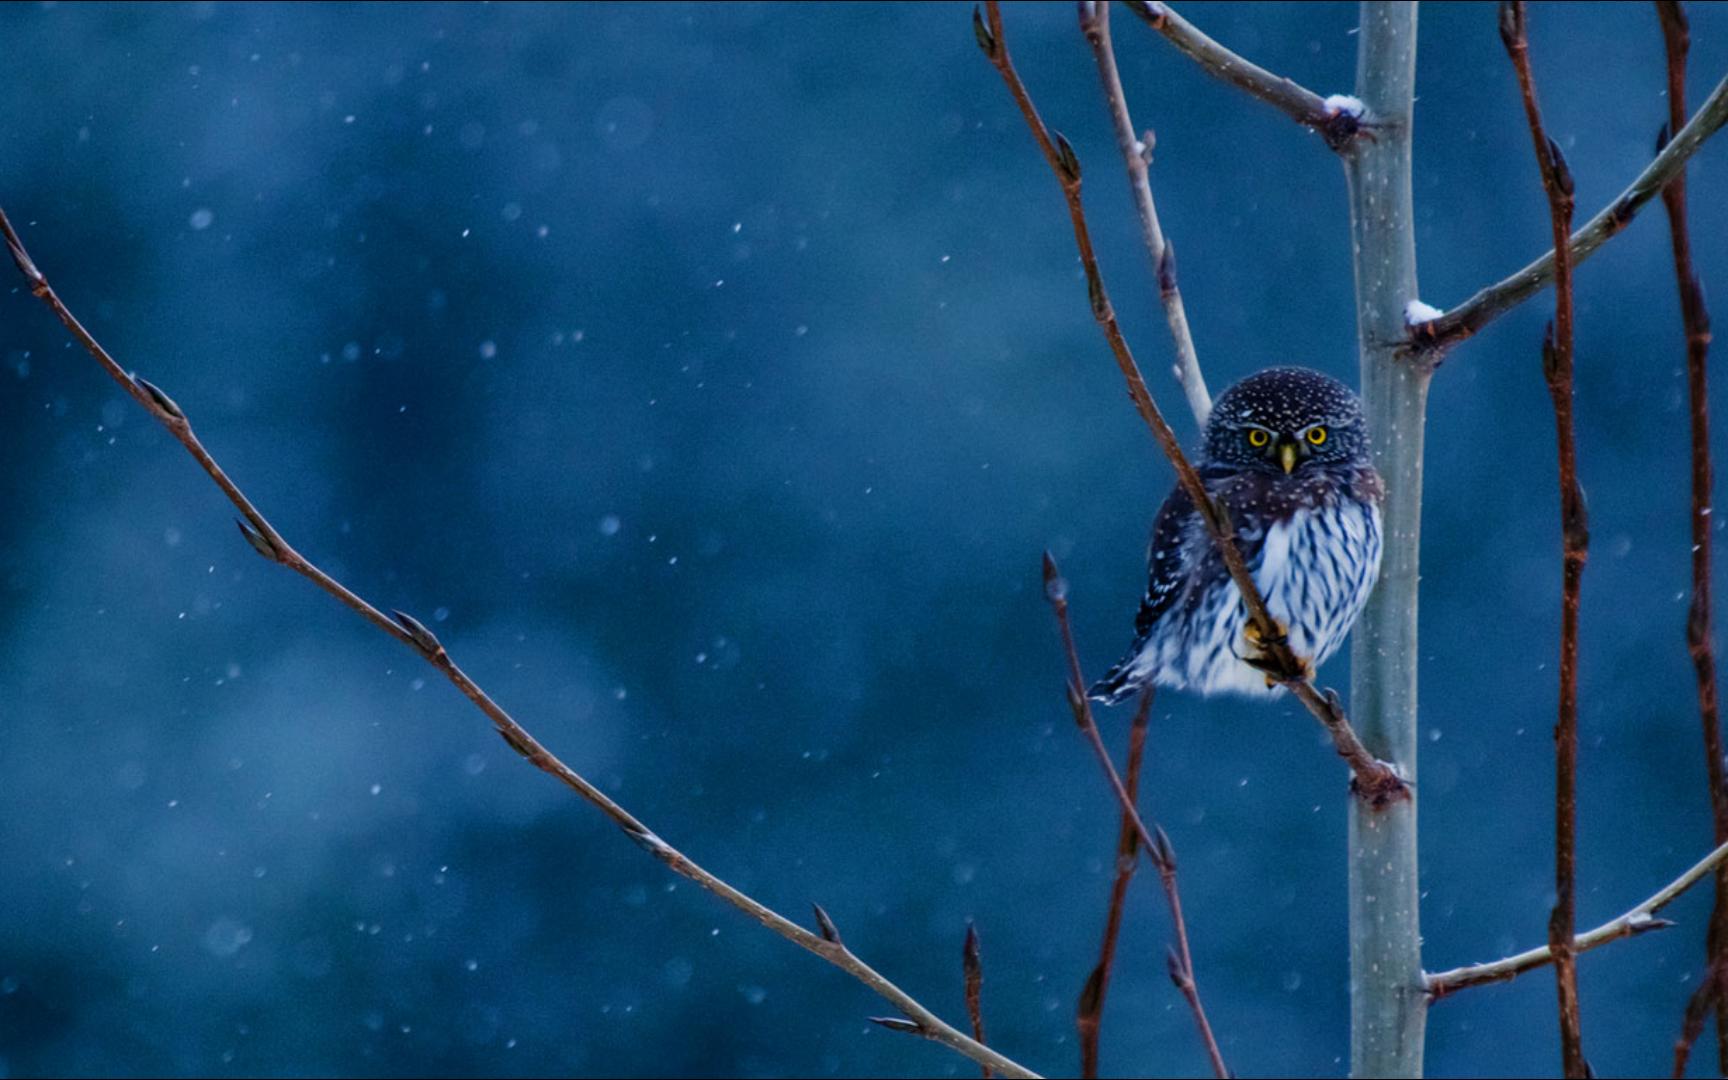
(1641, 919)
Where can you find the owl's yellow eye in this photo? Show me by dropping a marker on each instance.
(1258, 438)
(1316, 435)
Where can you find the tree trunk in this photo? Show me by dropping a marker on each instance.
(1388, 1004)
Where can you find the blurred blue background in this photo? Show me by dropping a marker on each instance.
(710, 378)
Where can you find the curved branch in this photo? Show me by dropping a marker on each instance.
(1376, 782)
(1137, 156)
(1440, 334)
(1333, 118)
(1089, 1013)
(409, 631)
(1638, 920)
(1179, 961)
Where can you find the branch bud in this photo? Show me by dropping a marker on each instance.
(426, 641)
(161, 401)
(1177, 970)
(259, 542)
(1167, 271)
(1163, 852)
(516, 742)
(830, 932)
(986, 40)
(1096, 296)
(1561, 171)
(1091, 995)
(1077, 703)
(1055, 585)
(25, 264)
(1511, 24)
(1066, 157)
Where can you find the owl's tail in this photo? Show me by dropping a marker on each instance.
(1121, 682)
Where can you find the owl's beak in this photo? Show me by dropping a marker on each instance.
(1287, 456)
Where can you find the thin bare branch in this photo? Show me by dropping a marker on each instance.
(1705, 999)
(1137, 156)
(1089, 1015)
(264, 538)
(1695, 323)
(1338, 126)
(1374, 781)
(1434, 337)
(1557, 368)
(1638, 920)
(972, 969)
(1155, 843)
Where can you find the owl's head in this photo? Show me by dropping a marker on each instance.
(1286, 420)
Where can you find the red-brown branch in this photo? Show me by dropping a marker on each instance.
(1374, 781)
(1154, 842)
(1695, 322)
(1090, 1014)
(1707, 998)
(1575, 540)
(972, 971)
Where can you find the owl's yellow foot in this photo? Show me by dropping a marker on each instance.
(1257, 640)
(1264, 655)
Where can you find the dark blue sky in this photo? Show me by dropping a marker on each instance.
(710, 378)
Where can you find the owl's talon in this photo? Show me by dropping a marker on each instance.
(1260, 642)
(1264, 655)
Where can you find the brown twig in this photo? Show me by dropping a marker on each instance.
(1432, 338)
(1695, 320)
(1337, 126)
(1575, 543)
(972, 969)
(1375, 781)
(1137, 157)
(1638, 920)
(1155, 843)
(268, 542)
(1090, 1014)
(1704, 1000)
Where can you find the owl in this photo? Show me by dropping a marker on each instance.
(1287, 454)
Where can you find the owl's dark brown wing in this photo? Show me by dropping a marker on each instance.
(1168, 558)
(1183, 566)
(1183, 559)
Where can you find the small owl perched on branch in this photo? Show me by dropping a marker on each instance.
(1287, 456)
